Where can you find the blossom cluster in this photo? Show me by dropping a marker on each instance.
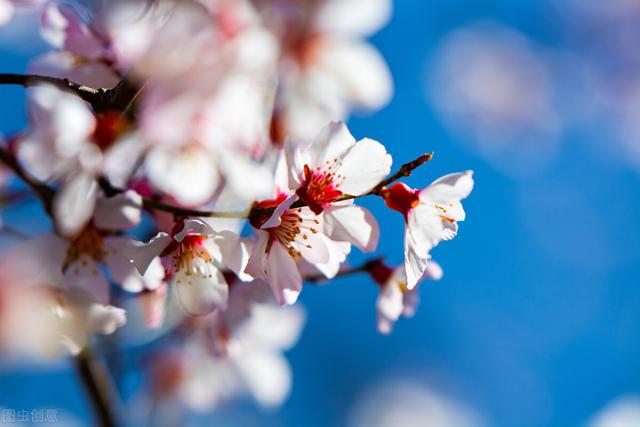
(194, 155)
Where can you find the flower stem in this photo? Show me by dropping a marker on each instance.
(405, 170)
(95, 379)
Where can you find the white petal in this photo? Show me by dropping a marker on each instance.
(73, 205)
(63, 28)
(360, 71)
(64, 64)
(353, 17)
(389, 306)
(36, 262)
(425, 226)
(125, 273)
(234, 253)
(276, 217)
(153, 306)
(271, 327)
(142, 254)
(85, 275)
(364, 166)
(6, 11)
(257, 264)
(314, 248)
(338, 252)
(68, 121)
(433, 271)
(449, 188)
(410, 300)
(415, 260)
(283, 275)
(199, 294)
(120, 212)
(267, 376)
(331, 143)
(121, 159)
(190, 175)
(193, 226)
(104, 319)
(248, 179)
(352, 224)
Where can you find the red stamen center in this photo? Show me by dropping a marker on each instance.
(320, 187)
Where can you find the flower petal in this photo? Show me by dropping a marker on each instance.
(352, 224)
(283, 275)
(364, 166)
(85, 275)
(73, 205)
(120, 212)
(389, 306)
(199, 294)
(142, 254)
(125, 273)
(449, 188)
(275, 218)
(193, 226)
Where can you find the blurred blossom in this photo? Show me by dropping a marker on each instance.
(406, 403)
(238, 352)
(494, 87)
(623, 411)
(327, 69)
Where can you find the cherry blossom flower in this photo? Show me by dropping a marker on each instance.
(395, 299)
(64, 144)
(249, 340)
(83, 53)
(193, 257)
(76, 263)
(326, 68)
(431, 215)
(67, 295)
(335, 165)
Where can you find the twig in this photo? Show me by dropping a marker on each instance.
(89, 94)
(119, 98)
(405, 170)
(111, 190)
(96, 381)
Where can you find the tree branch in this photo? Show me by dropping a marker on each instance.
(91, 95)
(405, 170)
(118, 98)
(95, 379)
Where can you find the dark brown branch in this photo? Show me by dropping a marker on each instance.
(118, 98)
(404, 171)
(96, 381)
(92, 96)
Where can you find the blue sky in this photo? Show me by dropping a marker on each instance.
(535, 321)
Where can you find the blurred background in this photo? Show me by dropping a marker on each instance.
(536, 320)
